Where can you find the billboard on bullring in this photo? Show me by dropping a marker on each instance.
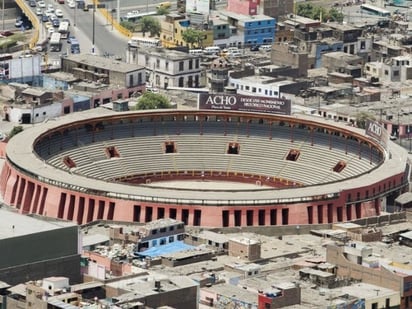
(244, 103)
(377, 131)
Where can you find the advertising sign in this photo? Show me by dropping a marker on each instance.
(377, 131)
(244, 103)
(197, 6)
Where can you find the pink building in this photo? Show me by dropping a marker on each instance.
(245, 7)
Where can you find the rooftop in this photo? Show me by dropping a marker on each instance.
(105, 63)
(14, 225)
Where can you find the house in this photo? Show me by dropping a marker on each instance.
(168, 68)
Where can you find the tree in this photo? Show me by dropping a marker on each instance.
(131, 26)
(335, 15)
(150, 100)
(151, 25)
(193, 37)
(361, 119)
(162, 10)
(15, 131)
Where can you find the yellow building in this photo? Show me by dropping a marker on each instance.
(172, 28)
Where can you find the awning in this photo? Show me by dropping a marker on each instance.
(404, 198)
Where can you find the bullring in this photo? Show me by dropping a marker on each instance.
(101, 164)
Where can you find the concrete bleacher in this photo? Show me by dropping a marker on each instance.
(203, 147)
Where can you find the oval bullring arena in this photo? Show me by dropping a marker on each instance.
(209, 168)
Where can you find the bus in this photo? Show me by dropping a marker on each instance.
(135, 16)
(55, 43)
(147, 42)
(375, 10)
(64, 29)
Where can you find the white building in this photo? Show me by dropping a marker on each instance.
(396, 69)
(262, 86)
(167, 68)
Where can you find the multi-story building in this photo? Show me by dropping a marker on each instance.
(244, 248)
(357, 262)
(173, 27)
(153, 234)
(273, 8)
(167, 68)
(32, 248)
(255, 30)
(105, 71)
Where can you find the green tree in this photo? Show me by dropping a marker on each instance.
(150, 100)
(162, 10)
(193, 37)
(361, 119)
(151, 25)
(16, 130)
(304, 9)
(128, 25)
(335, 15)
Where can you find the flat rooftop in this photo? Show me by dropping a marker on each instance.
(105, 63)
(13, 224)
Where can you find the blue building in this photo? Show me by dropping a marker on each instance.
(254, 29)
(326, 46)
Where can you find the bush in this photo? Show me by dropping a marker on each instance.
(15, 130)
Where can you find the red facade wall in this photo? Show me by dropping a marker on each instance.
(246, 7)
(30, 196)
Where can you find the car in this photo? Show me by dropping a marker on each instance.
(44, 18)
(61, 1)
(48, 25)
(71, 4)
(52, 17)
(18, 23)
(70, 38)
(50, 8)
(32, 3)
(56, 23)
(254, 48)
(59, 13)
(41, 4)
(66, 20)
(6, 33)
(50, 31)
(27, 25)
(39, 11)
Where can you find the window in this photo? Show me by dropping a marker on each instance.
(167, 65)
(190, 64)
(395, 73)
(171, 239)
(181, 66)
(154, 242)
(157, 63)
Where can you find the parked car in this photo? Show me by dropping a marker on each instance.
(44, 18)
(39, 11)
(59, 13)
(41, 4)
(50, 8)
(254, 48)
(66, 20)
(19, 22)
(56, 23)
(32, 3)
(70, 38)
(71, 4)
(6, 33)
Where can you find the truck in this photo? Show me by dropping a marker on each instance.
(75, 47)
